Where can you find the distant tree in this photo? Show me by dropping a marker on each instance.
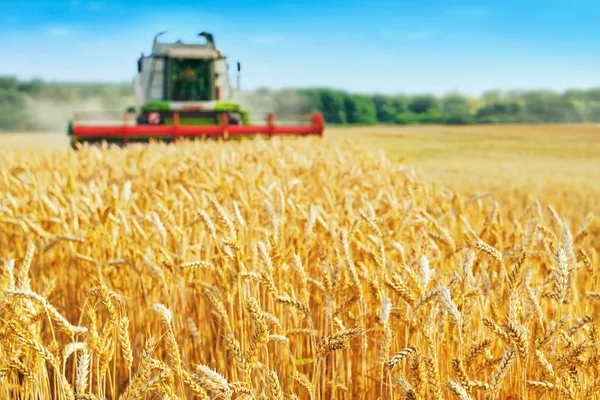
(360, 110)
(313, 97)
(593, 94)
(576, 95)
(422, 104)
(333, 106)
(406, 118)
(491, 96)
(9, 83)
(384, 108)
(12, 107)
(400, 102)
(500, 111)
(432, 116)
(456, 110)
(548, 107)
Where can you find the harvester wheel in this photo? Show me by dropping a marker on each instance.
(142, 119)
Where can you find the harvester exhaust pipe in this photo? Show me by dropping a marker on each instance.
(158, 35)
(210, 39)
(239, 68)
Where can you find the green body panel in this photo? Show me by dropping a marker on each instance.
(220, 106)
(227, 106)
(203, 121)
(157, 106)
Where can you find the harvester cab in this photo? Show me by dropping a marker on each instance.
(190, 79)
(182, 90)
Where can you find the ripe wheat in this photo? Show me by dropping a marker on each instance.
(274, 269)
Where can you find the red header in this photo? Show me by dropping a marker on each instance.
(316, 127)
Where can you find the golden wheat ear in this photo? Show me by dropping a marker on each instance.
(292, 269)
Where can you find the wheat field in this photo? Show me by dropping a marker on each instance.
(281, 269)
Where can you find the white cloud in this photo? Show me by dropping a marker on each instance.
(58, 31)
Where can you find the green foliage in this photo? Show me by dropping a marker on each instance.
(456, 110)
(12, 105)
(333, 105)
(423, 104)
(384, 108)
(9, 83)
(406, 118)
(493, 107)
(499, 110)
(360, 110)
(337, 106)
(544, 106)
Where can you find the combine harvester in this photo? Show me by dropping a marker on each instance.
(179, 90)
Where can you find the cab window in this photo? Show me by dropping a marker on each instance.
(190, 80)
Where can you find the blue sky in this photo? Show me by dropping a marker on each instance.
(386, 46)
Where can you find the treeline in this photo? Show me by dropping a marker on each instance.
(542, 106)
(38, 105)
(493, 107)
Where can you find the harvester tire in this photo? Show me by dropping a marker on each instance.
(142, 119)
